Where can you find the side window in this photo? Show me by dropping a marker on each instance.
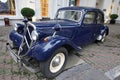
(89, 18)
(100, 19)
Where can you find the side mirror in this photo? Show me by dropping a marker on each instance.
(57, 27)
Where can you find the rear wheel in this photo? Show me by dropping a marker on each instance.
(55, 64)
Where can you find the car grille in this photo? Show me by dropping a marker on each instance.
(26, 40)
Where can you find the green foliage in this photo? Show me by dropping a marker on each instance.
(27, 12)
(113, 16)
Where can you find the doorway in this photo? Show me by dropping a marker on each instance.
(74, 3)
(99, 4)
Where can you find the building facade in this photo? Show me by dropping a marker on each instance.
(47, 8)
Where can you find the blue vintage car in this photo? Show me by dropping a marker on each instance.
(44, 46)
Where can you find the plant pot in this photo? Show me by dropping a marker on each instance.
(112, 21)
(29, 19)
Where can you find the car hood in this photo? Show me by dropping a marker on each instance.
(52, 23)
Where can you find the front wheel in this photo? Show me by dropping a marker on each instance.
(56, 63)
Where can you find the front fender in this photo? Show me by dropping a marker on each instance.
(104, 29)
(43, 50)
(15, 37)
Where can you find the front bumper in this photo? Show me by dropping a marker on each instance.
(22, 61)
(13, 54)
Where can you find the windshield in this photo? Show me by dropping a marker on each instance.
(69, 15)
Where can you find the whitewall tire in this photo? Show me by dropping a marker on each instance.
(55, 64)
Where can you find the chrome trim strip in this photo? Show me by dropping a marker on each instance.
(29, 33)
(12, 52)
(21, 48)
(31, 24)
(26, 41)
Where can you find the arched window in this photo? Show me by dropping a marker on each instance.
(7, 7)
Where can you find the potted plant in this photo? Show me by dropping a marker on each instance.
(27, 13)
(113, 17)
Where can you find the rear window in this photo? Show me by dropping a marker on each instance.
(89, 18)
(100, 19)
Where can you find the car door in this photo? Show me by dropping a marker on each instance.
(85, 30)
(100, 22)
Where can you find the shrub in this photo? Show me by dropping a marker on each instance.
(113, 16)
(27, 12)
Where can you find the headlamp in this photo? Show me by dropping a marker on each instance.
(34, 35)
(15, 27)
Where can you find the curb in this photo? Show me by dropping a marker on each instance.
(82, 72)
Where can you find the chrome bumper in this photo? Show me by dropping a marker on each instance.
(21, 62)
(15, 57)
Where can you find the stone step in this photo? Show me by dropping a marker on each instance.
(82, 72)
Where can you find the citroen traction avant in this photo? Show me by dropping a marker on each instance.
(44, 46)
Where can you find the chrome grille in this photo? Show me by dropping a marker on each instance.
(26, 40)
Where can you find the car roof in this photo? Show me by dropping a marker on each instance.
(79, 8)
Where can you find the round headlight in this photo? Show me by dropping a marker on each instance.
(34, 35)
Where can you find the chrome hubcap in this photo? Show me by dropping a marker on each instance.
(56, 61)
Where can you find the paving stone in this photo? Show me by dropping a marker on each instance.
(73, 60)
(114, 74)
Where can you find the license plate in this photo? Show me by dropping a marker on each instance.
(14, 57)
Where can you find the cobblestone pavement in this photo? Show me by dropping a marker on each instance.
(107, 55)
(9, 70)
(100, 56)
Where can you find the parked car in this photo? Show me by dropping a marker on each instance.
(44, 46)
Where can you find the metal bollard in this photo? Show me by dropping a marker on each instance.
(6, 21)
